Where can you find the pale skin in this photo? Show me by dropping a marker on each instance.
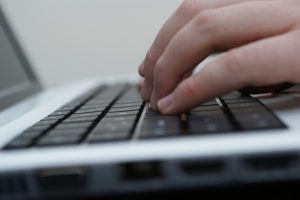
(260, 38)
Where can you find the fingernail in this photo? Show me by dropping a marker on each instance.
(153, 107)
(152, 100)
(165, 104)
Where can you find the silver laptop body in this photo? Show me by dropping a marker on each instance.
(133, 165)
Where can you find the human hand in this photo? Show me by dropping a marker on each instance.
(261, 39)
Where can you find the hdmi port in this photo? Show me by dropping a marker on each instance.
(271, 163)
(205, 168)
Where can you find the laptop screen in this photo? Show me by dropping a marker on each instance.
(17, 81)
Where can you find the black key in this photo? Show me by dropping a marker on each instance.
(109, 137)
(200, 124)
(160, 126)
(130, 101)
(244, 105)
(110, 131)
(169, 122)
(115, 124)
(46, 122)
(95, 106)
(57, 140)
(134, 108)
(208, 119)
(105, 98)
(119, 119)
(121, 114)
(82, 119)
(67, 108)
(79, 125)
(257, 120)
(53, 117)
(66, 132)
(158, 132)
(102, 127)
(91, 110)
(19, 143)
(125, 105)
(204, 113)
(30, 134)
(39, 127)
(59, 113)
(206, 108)
(249, 109)
(79, 115)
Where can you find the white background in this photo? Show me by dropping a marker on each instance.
(76, 39)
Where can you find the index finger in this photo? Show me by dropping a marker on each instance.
(224, 28)
(185, 13)
(244, 66)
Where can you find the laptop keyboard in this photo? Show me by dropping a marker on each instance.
(117, 113)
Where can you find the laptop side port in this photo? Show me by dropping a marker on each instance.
(203, 168)
(270, 164)
(62, 179)
(144, 170)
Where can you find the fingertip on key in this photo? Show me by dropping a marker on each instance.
(165, 104)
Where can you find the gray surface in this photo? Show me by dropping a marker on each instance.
(12, 73)
(75, 39)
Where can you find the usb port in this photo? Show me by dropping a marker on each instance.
(203, 168)
(270, 163)
(67, 179)
(141, 170)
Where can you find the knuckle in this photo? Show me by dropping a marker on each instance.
(191, 87)
(232, 63)
(141, 71)
(160, 68)
(207, 20)
(189, 7)
(150, 59)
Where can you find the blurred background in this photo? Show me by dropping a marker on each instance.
(67, 40)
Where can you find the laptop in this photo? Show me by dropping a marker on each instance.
(99, 138)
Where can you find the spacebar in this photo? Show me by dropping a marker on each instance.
(158, 125)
